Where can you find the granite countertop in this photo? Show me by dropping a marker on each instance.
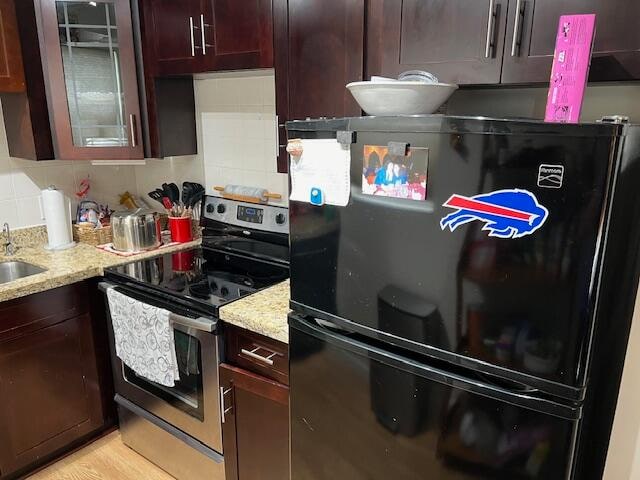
(67, 266)
(264, 312)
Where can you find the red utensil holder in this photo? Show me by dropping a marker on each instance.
(182, 261)
(180, 228)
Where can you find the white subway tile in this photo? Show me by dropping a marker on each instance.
(253, 155)
(268, 86)
(29, 211)
(28, 182)
(9, 213)
(6, 186)
(252, 126)
(249, 91)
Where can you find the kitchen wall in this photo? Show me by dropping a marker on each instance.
(238, 126)
(22, 180)
(237, 144)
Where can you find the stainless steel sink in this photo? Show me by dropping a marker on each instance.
(10, 271)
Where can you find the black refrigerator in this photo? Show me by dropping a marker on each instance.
(466, 314)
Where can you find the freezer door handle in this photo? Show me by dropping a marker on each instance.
(456, 377)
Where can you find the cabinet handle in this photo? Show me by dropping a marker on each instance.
(490, 25)
(223, 410)
(193, 45)
(133, 129)
(252, 353)
(204, 41)
(515, 41)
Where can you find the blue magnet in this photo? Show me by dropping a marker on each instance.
(316, 197)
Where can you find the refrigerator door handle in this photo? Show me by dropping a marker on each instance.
(456, 377)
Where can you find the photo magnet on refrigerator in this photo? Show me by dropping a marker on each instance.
(510, 213)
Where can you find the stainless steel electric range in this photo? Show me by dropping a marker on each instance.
(245, 248)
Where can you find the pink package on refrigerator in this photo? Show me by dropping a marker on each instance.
(570, 69)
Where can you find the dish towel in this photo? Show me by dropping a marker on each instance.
(144, 338)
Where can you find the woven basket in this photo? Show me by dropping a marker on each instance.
(87, 233)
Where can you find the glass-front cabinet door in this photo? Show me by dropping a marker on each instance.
(91, 70)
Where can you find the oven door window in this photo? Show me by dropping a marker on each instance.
(187, 394)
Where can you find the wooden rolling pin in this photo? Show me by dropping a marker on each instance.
(247, 194)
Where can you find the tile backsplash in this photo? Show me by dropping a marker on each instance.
(237, 144)
(237, 132)
(22, 180)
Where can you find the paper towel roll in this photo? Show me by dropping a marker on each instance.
(57, 215)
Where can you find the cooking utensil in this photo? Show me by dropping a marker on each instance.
(247, 194)
(190, 190)
(187, 191)
(168, 204)
(157, 196)
(196, 198)
(135, 230)
(172, 191)
(166, 191)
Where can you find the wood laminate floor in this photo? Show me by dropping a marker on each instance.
(105, 459)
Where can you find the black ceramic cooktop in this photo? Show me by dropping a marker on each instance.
(206, 277)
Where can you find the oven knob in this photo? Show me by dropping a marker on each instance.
(210, 208)
(281, 218)
(221, 208)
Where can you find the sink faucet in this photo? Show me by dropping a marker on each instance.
(9, 248)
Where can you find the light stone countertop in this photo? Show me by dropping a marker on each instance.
(68, 266)
(264, 312)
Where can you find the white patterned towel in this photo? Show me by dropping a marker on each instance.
(144, 338)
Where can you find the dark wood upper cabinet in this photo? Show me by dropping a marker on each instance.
(26, 113)
(11, 70)
(85, 72)
(196, 36)
(168, 102)
(90, 69)
(459, 41)
(531, 34)
(53, 387)
(319, 50)
(239, 36)
(170, 35)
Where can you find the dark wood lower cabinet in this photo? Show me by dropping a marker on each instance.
(256, 427)
(52, 377)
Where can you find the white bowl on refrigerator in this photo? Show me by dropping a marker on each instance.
(400, 98)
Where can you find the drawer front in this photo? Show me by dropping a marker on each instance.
(25, 315)
(257, 354)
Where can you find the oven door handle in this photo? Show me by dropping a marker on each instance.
(199, 323)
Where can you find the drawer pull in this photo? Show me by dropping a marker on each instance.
(224, 410)
(252, 353)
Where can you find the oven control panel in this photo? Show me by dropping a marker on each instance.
(269, 218)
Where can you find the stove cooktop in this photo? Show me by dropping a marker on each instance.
(202, 276)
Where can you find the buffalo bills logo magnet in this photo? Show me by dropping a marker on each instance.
(511, 213)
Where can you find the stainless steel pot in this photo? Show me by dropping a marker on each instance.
(136, 230)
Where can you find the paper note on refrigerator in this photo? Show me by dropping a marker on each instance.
(321, 175)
